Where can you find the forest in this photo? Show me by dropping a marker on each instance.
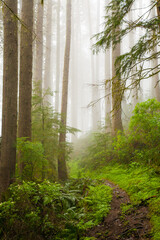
(79, 119)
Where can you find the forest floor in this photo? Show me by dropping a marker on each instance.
(124, 221)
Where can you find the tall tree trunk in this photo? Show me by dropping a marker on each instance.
(95, 94)
(155, 78)
(48, 83)
(58, 57)
(39, 45)
(158, 9)
(116, 94)
(10, 81)
(62, 169)
(25, 85)
(134, 90)
(75, 66)
(108, 98)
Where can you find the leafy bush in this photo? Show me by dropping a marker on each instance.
(38, 158)
(97, 151)
(31, 156)
(145, 130)
(51, 211)
(141, 141)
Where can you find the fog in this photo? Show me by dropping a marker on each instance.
(87, 72)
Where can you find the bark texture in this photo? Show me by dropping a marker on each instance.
(155, 78)
(25, 85)
(62, 169)
(158, 9)
(116, 94)
(108, 99)
(10, 80)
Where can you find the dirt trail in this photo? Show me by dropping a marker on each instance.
(134, 224)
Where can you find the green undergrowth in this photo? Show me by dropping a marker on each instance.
(139, 181)
(52, 211)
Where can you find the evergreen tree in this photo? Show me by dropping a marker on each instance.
(142, 50)
(10, 80)
(25, 85)
(62, 169)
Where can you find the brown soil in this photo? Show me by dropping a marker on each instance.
(134, 224)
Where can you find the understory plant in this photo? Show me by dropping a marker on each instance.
(52, 211)
(131, 159)
(39, 156)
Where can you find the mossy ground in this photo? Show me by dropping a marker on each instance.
(140, 182)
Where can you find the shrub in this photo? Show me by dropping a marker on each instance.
(31, 156)
(51, 211)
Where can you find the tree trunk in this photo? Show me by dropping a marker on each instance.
(108, 98)
(10, 81)
(95, 91)
(158, 9)
(75, 67)
(39, 46)
(155, 78)
(58, 58)
(116, 94)
(131, 44)
(25, 85)
(62, 169)
(48, 83)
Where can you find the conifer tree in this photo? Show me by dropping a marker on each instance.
(62, 169)
(10, 81)
(25, 85)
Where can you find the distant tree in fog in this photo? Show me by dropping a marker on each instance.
(57, 96)
(39, 45)
(62, 169)
(48, 45)
(143, 49)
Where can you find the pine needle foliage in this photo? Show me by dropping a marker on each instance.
(116, 26)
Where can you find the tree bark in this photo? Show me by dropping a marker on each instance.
(39, 46)
(58, 58)
(62, 169)
(155, 78)
(25, 85)
(158, 9)
(10, 81)
(108, 98)
(131, 44)
(75, 67)
(47, 66)
(116, 94)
